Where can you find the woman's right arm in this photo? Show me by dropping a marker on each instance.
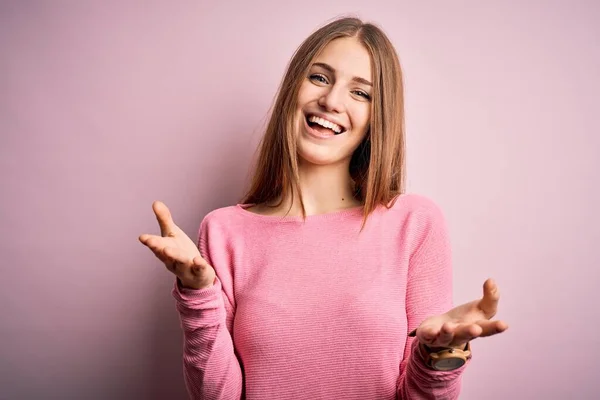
(211, 368)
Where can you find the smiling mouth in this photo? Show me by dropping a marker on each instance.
(324, 126)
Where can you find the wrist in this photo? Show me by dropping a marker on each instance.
(444, 358)
(432, 349)
(194, 285)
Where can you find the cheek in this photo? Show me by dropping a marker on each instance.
(306, 93)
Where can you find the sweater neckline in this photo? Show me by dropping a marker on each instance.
(343, 213)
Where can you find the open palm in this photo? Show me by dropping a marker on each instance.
(463, 323)
(177, 251)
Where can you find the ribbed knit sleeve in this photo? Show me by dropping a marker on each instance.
(211, 368)
(429, 293)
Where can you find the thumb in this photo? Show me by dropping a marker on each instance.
(163, 216)
(491, 296)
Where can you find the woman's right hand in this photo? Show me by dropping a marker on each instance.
(178, 252)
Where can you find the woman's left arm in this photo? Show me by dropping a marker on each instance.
(432, 319)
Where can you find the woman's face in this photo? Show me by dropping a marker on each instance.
(334, 103)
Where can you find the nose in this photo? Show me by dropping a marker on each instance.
(333, 100)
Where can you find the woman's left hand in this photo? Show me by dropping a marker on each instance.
(463, 323)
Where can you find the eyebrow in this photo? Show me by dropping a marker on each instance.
(332, 70)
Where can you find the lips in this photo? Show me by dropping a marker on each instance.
(324, 124)
(318, 132)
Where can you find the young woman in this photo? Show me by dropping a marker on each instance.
(326, 281)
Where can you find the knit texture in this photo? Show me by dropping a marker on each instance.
(316, 309)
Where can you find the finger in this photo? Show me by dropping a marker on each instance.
(491, 296)
(199, 266)
(164, 218)
(466, 332)
(146, 238)
(446, 335)
(198, 261)
(489, 328)
(428, 334)
(154, 243)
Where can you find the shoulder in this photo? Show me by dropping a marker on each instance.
(222, 216)
(219, 225)
(419, 223)
(416, 206)
(414, 217)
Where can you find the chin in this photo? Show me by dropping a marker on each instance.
(316, 154)
(315, 160)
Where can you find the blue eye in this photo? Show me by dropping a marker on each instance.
(319, 78)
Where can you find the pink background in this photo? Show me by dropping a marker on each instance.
(106, 106)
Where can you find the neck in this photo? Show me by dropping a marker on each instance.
(325, 188)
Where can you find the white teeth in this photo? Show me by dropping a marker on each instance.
(327, 124)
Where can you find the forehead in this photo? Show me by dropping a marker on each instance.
(348, 57)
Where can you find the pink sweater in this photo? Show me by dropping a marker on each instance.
(315, 309)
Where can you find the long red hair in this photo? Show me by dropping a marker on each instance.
(377, 166)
